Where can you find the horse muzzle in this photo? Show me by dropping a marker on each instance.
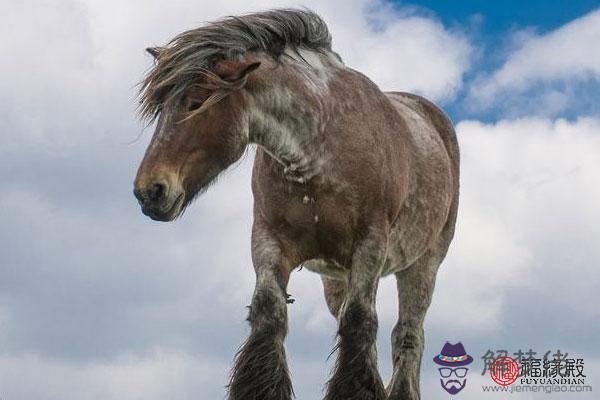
(159, 200)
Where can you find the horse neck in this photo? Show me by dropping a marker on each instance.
(287, 116)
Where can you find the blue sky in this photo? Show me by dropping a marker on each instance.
(97, 301)
(493, 25)
(499, 17)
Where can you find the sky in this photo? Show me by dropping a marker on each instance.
(99, 302)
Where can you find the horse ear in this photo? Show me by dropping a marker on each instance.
(248, 68)
(235, 71)
(154, 51)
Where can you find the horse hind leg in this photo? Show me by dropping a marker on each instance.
(415, 288)
(355, 376)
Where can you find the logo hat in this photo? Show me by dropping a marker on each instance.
(453, 355)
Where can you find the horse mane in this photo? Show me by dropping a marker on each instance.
(192, 54)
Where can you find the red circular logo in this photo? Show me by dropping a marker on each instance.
(504, 371)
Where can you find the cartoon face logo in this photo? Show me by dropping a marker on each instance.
(453, 373)
(453, 379)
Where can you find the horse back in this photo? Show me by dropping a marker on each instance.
(438, 119)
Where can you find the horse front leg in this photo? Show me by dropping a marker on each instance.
(260, 371)
(355, 376)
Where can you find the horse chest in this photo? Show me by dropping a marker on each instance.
(321, 223)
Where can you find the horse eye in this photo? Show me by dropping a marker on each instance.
(194, 105)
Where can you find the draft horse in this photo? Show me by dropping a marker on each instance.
(348, 181)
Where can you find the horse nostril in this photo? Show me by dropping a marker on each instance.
(138, 194)
(152, 194)
(157, 191)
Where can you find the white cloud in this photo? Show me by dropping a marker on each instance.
(402, 51)
(528, 211)
(158, 375)
(564, 54)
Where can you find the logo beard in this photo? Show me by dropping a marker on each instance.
(453, 386)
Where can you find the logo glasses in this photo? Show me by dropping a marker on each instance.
(459, 372)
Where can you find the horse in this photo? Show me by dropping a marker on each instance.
(349, 182)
